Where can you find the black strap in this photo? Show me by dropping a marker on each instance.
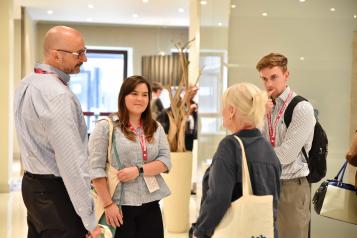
(288, 114)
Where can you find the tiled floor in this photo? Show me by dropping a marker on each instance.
(13, 211)
(13, 217)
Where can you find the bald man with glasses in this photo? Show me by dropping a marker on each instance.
(52, 136)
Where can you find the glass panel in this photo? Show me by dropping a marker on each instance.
(97, 85)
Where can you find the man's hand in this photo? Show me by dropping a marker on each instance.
(270, 104)
(95, 233)
(128, 174)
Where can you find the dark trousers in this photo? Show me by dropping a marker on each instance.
(141, 222)
(50, 212)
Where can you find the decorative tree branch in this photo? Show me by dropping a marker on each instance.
(180, 107)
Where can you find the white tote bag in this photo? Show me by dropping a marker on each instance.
(113, 182)
(336, 199)
(249, 216)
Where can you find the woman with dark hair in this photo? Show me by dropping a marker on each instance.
(141, 153)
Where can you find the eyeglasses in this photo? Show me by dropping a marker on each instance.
(79, 54)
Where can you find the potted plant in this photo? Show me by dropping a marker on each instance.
(176, 206)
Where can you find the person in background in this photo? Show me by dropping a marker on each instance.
(294, 206)
(144, 154)
(243, 111)
(192, 119)
(156, 105)
(351, 155)
(52, 136)
(192, 122)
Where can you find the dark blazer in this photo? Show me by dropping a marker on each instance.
(222, 183)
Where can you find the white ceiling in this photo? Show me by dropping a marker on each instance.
(166, 12)
(154, 12)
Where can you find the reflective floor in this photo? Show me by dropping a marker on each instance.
(13, 217)
(13, 211)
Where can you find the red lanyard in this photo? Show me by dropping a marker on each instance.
(142, 141)
(41, 71)
(272, 131)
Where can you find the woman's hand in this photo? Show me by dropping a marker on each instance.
(128, 174)
(113, 215)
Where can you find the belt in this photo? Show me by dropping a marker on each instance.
(42, 176)
(294, 180)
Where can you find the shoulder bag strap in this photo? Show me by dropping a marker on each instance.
(246, 183)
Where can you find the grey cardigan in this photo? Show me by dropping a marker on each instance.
(135, 193)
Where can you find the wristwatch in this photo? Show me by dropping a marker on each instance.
(140, 169)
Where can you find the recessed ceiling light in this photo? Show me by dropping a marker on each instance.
(145, 1)
(203, 2)
(354, 16)
(302, 58)
(162, 53)
(90, 6)
(89, 19)
(302, 0)
(135, 15)
(264, 14)
(49, 12)
(332, 9)
(181, 10)
(219, 23)
(233, 6)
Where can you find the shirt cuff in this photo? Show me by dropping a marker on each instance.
(89, 221)
(166, 162)
(97, 173)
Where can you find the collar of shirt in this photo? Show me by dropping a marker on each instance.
(61, 75)
(282, 97)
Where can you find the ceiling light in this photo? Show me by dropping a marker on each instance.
(354, 16)
(135, 15)
(233, 6)
(145, 1)
(264, 14)
(49, 12)
(332, 9)
(89, 19)
(219, 23)
(203, 2)
(162, 53)
(302, 58)
(302, 0)
(181, 10)
(90, 6)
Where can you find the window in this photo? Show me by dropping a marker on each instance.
(98, 83)
(211, 84)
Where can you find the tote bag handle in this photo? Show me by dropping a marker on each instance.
(246, 183)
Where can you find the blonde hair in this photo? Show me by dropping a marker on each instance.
(249, 100)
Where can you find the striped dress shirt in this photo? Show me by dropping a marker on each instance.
(289, 141)
(52, 135)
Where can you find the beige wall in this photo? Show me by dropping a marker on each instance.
(6, 75)
(29, 42)
(143, 40)
(354, 84)
(324, 77)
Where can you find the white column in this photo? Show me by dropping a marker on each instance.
(6, 74)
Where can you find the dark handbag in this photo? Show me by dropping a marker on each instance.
(336, 199)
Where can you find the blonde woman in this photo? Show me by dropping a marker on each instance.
(243, 109)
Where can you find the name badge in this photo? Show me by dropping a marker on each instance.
(151, 183)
